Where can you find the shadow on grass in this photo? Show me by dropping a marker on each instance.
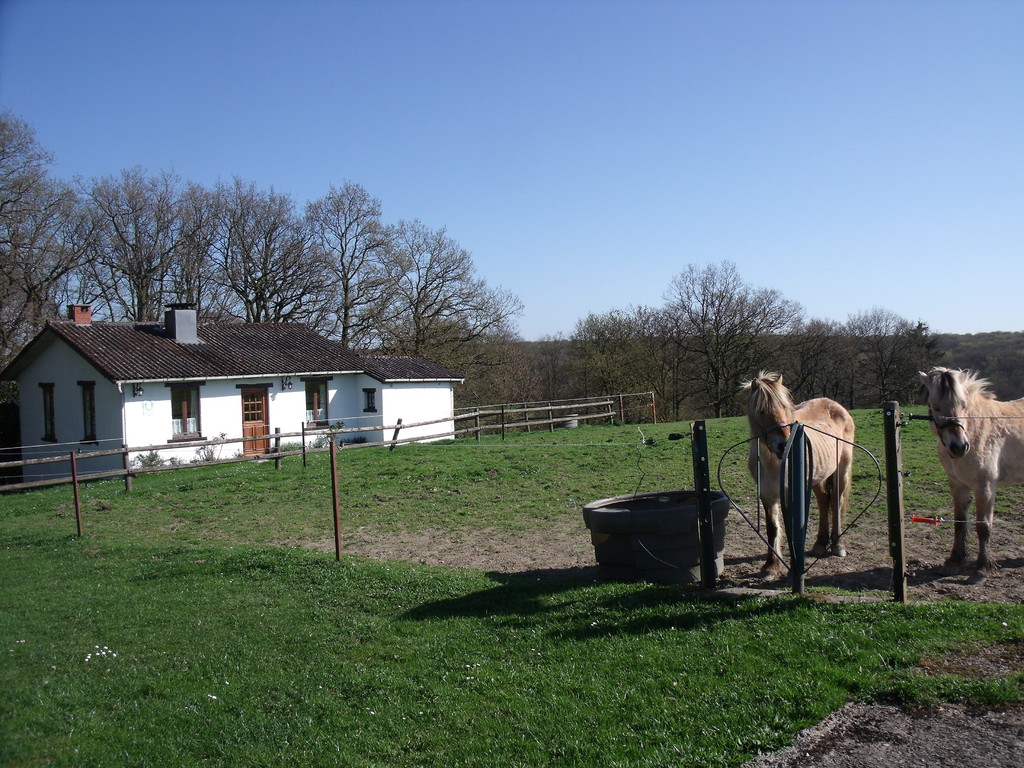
(572, 609)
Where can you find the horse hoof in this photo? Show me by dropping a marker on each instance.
(952, 566)
(977, 578)
(838, 551)
(818, 550)
(770, 576)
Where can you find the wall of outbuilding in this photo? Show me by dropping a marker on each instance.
(59, 365)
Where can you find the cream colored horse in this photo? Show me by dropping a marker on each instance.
(981, 447)
(771, 412)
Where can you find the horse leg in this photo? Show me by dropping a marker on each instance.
(823, 493)
(841, 499)
(772, 570)
(984, 514)
(961, 501)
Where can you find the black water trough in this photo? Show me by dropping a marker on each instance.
(653, 536)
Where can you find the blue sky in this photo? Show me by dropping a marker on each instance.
(851, 154)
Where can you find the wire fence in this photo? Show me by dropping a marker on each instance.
(884, 531)
(75, 463)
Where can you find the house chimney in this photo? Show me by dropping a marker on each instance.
(180, 323)
(80, 314)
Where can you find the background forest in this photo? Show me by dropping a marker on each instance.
(133, 242)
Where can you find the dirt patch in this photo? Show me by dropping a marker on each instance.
(563, 548)
(856, 736)
(868, 736)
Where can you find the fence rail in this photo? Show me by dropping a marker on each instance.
(494, 418)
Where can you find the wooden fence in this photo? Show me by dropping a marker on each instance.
(500, 418)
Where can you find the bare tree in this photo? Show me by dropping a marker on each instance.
(262, 261)
(817, 361)
(193, 281)
(138, 235)
(345, 226)
(604, 346)
(724, 329)
(497, 369)
(550, 361)
(438, 305)
(889, 351)
(43, 237)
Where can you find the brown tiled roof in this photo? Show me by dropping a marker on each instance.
(144, 352)
(404, 368)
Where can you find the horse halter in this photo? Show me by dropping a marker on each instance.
(780, 428)
(947, 421)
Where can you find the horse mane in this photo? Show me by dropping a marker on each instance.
(961, 384)
(768, 393)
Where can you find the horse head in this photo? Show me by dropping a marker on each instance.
(947, 392)
(769, 410)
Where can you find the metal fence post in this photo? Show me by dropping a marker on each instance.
(796, 502)
(893, 420)
(705, 516)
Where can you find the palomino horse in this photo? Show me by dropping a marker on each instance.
(981, 447)
(771, 412)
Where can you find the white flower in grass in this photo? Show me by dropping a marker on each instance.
(100, 653)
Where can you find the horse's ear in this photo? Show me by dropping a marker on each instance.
(924, 387)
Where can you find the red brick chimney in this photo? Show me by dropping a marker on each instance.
(80, 314)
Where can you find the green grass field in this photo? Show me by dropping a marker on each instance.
(178, 630)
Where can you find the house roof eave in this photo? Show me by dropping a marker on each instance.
(183, 380)
(46, 338)
(415, 381)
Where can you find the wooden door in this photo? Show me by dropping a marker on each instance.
(255, 419)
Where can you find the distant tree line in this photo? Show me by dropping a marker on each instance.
(715, 331)
(131, 243)
(998, 356)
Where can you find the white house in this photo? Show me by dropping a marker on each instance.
(102, 385)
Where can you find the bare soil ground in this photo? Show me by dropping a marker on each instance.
(865, 736)
(563, 548)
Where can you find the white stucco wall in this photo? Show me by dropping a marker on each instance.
(148, 417)
(411, 402)
(414, 402)
(143, 418)
(59, 365)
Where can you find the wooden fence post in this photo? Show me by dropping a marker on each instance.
(334, 500)
(503, 422)
(127, 469)
(277, 447)
(394, 437)
(892, 422)
(78, 500)
(622, 409)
